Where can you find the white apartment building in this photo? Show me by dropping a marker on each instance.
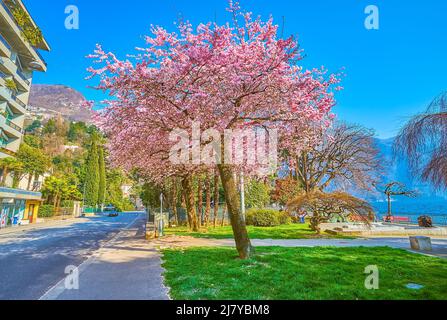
(20, 42)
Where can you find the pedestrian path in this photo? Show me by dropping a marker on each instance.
(126, 268)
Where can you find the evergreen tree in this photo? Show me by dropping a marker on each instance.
(92, 175)
(102, 177)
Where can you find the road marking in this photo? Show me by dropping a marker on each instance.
(55, 291)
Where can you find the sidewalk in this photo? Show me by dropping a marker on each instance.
(41, 225)
(127, 268)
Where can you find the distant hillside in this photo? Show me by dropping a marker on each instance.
(51, 100)
(398, 170)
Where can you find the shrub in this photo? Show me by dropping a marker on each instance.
(425, 222)
(123, 205)
(257, 194)
(46, 211)
(284, 218)
(266, 218)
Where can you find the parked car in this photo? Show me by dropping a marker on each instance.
(110, 212)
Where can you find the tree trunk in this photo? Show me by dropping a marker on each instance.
(232, 199)
(187, 184)
(59, 200)
(199, 202)
(389, 206)
(216, 197)
(174, 203)
(208, 200)
(315, 224)
(4, 176)
(223, 215)
(184, 207)
(55, 201)
(389, 214)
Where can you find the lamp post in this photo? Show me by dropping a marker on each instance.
(161, 220)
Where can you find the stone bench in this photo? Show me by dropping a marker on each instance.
(420, 243)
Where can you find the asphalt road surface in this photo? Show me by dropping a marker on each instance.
(32, 262)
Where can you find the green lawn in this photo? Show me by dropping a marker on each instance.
(291, 231)
(302, 273)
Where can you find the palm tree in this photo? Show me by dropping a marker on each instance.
(9, 165)
(423, 140)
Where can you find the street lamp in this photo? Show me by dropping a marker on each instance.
(161, 220)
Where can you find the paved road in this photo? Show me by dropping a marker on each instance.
(32, 262)
(128, 267)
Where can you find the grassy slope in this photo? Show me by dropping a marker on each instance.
(302, 273)
(292, 231)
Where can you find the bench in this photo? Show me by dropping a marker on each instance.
(396, 219)
(421, 243)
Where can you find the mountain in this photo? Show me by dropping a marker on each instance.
(52, 100)
(397, 169)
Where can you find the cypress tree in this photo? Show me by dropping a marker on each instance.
(92, 175)
(102, 177)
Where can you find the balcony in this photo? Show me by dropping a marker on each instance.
(14, 126)
(12, 130)
(14, 97)
(19, 194)
(23, 77)
(11, 69)
(40, 56)
(18, 41)
(8, 10)
(5, 43)
(4, 150)
(5, 47)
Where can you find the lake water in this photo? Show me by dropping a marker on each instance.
(414, 208)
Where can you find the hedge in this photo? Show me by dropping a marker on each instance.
(267, 218)
(46, 211)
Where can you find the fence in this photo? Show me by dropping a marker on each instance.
(182, 217)
(62, 213)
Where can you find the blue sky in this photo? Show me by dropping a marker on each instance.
(391, 73)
